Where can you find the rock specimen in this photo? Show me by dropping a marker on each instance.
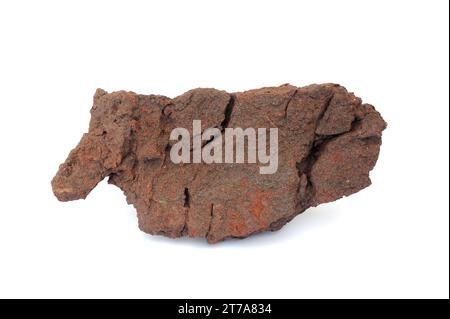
(328, 143)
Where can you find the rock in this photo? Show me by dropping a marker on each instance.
(328, 142)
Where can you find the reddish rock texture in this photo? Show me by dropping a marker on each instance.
(328, 143)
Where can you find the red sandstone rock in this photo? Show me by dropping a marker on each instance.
(328, 143)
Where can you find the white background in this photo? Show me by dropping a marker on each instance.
(390, 240)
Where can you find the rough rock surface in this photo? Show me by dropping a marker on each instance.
(328, 143)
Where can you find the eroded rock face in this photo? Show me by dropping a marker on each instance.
(328, 143)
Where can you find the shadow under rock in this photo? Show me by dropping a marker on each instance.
(313, 218)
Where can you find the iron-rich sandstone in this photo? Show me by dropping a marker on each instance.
(328, 143)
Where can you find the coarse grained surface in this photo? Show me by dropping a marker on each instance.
(328, 143)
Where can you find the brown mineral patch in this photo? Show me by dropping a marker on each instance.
(328, 143)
